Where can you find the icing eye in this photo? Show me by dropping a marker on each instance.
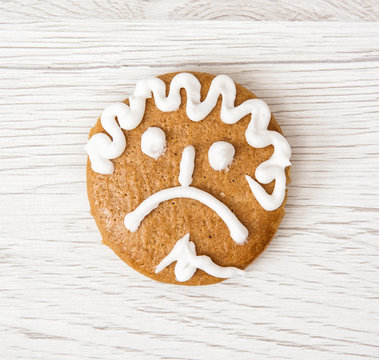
(153, 142)
(220, 155)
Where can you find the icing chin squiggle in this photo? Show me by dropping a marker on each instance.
(101, 148)
(187, 262)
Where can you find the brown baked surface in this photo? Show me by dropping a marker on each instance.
(138, 176)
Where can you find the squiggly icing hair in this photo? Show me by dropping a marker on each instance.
(101, 149)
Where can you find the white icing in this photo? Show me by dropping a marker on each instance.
(187, 262)
(153, 142)
(101, 148)
(132, 221)
(187, 164)
(258, 136)
(220, 155)
(238, 232)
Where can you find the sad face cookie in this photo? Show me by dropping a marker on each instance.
(187, 178)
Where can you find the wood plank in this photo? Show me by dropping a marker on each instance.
(314, 291)
(261, 10)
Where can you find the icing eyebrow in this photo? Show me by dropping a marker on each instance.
(153, 142)
(220, 155)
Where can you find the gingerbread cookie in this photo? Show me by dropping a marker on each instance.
(187, 178)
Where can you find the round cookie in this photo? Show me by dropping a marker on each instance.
(175, 236)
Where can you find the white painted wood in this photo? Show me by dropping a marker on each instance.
(313, 294)
(267, 10)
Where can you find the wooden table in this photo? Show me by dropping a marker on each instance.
(314, 292)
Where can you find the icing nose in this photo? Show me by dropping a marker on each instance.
(187, 164)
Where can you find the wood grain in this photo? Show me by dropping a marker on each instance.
(278, 10)
(313, 294)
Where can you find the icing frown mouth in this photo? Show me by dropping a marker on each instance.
(238, 231)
